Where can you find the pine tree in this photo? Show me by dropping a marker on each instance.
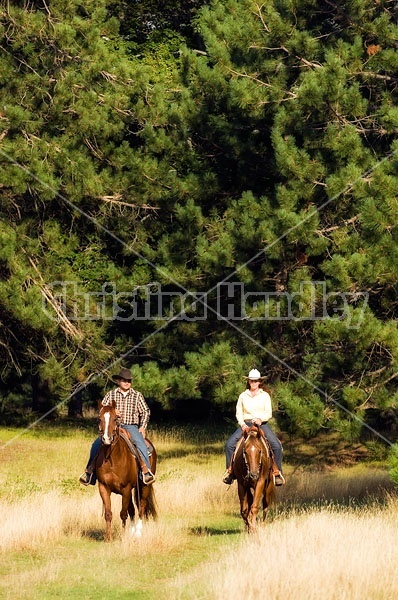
(263, 161)
(296, 111)
(74, 130)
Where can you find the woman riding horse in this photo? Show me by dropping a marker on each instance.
(254, 406)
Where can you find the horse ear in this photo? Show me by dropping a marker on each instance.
(99, 404)
(113, 403)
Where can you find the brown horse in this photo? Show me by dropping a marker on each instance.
(117, 471)
(253, 470)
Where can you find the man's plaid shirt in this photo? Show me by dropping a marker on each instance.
(132, 406)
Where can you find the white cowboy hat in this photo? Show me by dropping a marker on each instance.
(254, 374)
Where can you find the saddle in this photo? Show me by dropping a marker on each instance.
(267, 447)
(131, 446)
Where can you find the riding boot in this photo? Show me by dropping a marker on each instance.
(147, 476)
(88, 477)
(228, 476)
(277, 475)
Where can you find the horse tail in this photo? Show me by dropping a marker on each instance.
(271, 494)
(150, 505)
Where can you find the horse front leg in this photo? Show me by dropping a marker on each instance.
(126, 508)
(105, 494)
(244, 503)
(257, 497)
(142, 500)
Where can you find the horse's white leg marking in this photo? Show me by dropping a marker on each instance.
(137, 529)
(105, 436)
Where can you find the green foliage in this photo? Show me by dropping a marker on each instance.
(165, 386)
(263, 153)
(303, 409)
(7, 242)
(22, 487)
(349, 428)
(393, 463)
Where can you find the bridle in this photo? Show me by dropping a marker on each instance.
(108, 438)
(253, 475)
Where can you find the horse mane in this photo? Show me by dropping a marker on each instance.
(254, 430)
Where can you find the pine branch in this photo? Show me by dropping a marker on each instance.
(64, 322)
(115, 200)
(343, 224)
(377, 386)
(259, 14)
(263, 83)
(375, 75)
(17, 368)
(94, 149)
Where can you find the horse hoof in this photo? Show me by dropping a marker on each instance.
(136, 530)
(137, 533)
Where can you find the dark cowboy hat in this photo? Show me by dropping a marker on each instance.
(123, 374)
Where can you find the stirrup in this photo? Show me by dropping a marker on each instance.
(280, 477)
(228, 477)
(85, 478)
(148, 478)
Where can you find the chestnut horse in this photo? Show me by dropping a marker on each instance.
(253, 470)
(118, 471)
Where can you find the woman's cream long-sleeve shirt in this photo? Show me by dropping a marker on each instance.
(251, 407)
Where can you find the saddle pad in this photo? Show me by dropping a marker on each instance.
(124, 434)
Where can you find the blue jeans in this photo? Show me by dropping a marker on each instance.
(137, 438)
(270, 435)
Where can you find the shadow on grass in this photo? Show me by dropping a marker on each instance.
(192, 451)
(354, 492)
(97, 535)
(331, 450)
(209, 531)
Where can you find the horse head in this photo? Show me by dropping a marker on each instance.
(108, 423)
(253, 452)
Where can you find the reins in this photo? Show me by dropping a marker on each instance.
(250, 435)
(258, 435)
(109, 448)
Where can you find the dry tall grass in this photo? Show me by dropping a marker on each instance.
(330, 535)
(320, 555)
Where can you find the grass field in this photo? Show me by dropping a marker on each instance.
(333, 533)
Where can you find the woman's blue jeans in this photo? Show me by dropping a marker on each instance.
(137, 438)
(270, 435)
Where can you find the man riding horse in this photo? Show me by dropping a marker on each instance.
(134, 414)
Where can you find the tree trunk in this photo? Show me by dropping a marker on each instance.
(75, 406)
(42, 402)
